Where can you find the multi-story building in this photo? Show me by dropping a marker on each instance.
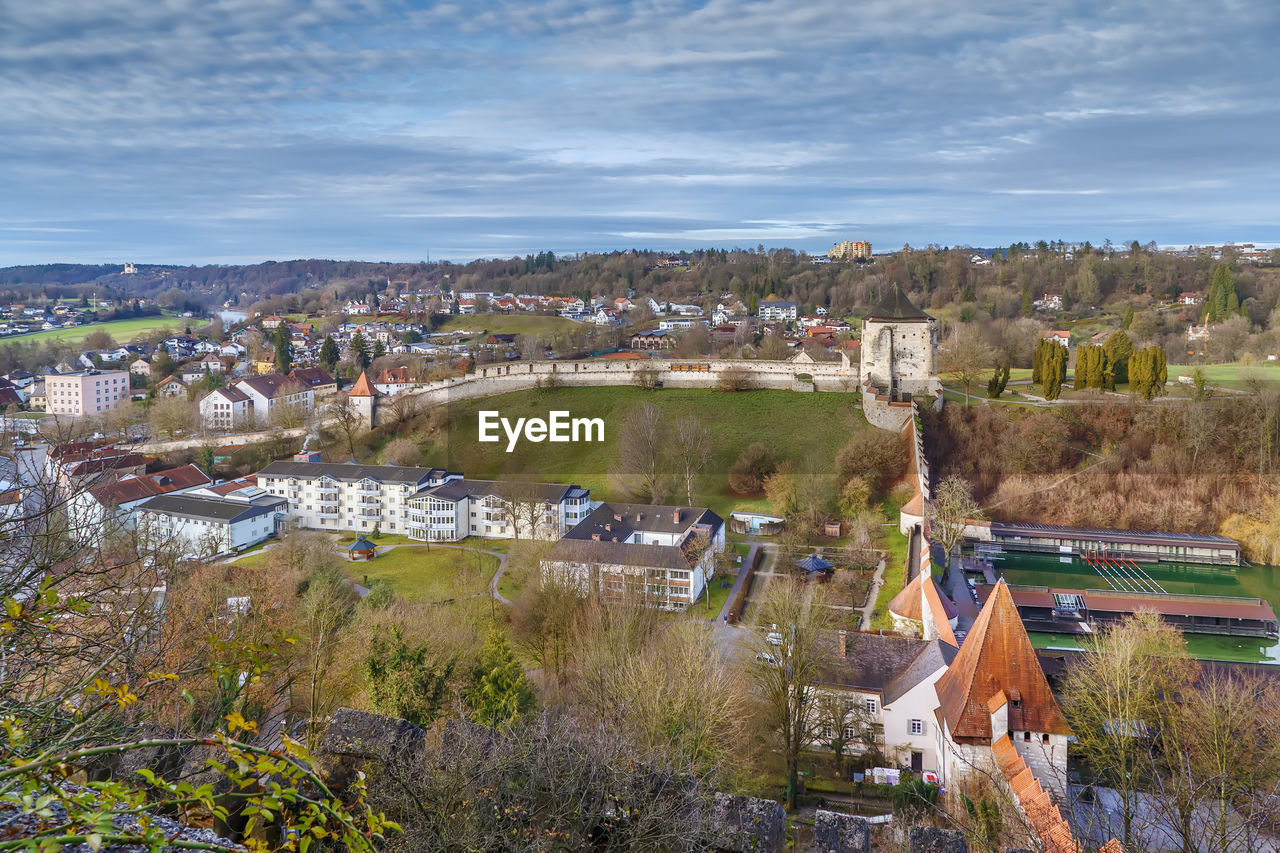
(226, 408)
(345, 496)
(663, 556)
(255, 400)
(99, 513)
(496, 510)
(208, 523)
(776, 311)
(850, 250)
(85, 392)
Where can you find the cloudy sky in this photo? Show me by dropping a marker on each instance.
(241, 130)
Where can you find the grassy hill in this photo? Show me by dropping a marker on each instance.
(123, 331)
(792, 425)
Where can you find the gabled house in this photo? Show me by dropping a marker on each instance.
(171, 386)
(101, 512)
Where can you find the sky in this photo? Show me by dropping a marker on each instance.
(234, 131)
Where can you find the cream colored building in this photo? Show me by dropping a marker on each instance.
(850, 250)
(85, 393)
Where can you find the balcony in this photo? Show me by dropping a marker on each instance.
(324, 502)
(368, 488)
(327, 490)
(369, 512)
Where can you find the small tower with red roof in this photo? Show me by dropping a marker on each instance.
(363, 397)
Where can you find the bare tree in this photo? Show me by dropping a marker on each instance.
(950, 511)
(794, 616)
(967, 358)
(343, 418)
(641, 467)
(734, 378)
(691, 448)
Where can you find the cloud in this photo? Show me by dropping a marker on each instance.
(187, 130)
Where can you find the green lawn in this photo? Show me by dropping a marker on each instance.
(1229, 375)
(791, 424)
(418, 574)
(894, 575)
(700, 610)
(122, 330)
(507, 324)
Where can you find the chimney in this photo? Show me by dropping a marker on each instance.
(617, 516)
(675, 516)
(639, 516)
(595, 537)
(844, 644)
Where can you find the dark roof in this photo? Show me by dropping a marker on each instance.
(272, 384)
(622, 520)
(456, 490)
(360, 545)
(618, 554)
(876, 663)
(893, 304)
(348, 471)
(814, 563)
(214, 509)
(232, 393)
(313, 377)
(999, 528)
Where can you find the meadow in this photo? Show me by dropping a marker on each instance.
(123, 331)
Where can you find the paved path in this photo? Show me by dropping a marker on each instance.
(749, 560)
(868, 610)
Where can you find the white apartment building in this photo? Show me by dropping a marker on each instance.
(664, 555)
(226, 408)
(777, 312)
(208, 523)
(460, 508)
(345, 496)
(85, 392)
(255, 400)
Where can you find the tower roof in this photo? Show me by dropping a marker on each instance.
(997, 655)
(910, 604)
(893, 304)
(363, 387)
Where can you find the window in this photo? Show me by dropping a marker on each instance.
(1026, 737)
(870, 705)
(1044, 739)
(917, 727)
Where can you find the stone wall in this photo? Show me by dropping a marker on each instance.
(489, 380)
(899, 355)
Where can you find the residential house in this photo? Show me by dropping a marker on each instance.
(1048, 302)
(212, 363)
(318, 380)
(273, 393)
(227, 409)
(661, 556)
(82, 465)
(672, 324)
(171, 386)
(272, 323)
(393, 380)
(193, 372)
(140, 366)
(459, 508)
(98, 514)
(1058, 337)
(653, 340)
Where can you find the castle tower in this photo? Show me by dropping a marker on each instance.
(364, 398)
(899, 360)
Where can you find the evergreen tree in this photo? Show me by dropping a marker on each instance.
(1221, 300)
(406, 681)
(1028, 306)
(499, 692)
(360, 351)
(284, 349)
(378, 349)
(1119, 348)
(999, 379)
(1128, 318)
(329, 354)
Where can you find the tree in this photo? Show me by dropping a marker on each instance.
(950, 511)
(499, 692)
(967, 359)
(329, 354)
(343, 418)
(172, 416)
(1127, 321)
(360, 351)
(785, 673)
(752, 468)
(734, 378)
(1117, 695)
(99, 339)
(691, 448)
(1087, 289)
(640, 467)
(999, 379)
(407, 681)
(284, 349)
(402, 452)
(1119, 349)
(1222, 300)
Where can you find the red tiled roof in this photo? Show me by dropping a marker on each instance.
(997, 655)
(130, 489)
(362, 388)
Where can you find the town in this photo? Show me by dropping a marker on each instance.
(785, 505)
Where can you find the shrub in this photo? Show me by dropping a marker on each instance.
(754, 465)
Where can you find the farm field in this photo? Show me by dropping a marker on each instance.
(507, 324)
(791, 424)
(122, 330)
(1234, 375)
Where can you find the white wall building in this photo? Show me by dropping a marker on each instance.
(777, 312)
(460, 508)
(208, 524)
(343, 496)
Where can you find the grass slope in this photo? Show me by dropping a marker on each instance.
(792, 424)
(419, 574)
